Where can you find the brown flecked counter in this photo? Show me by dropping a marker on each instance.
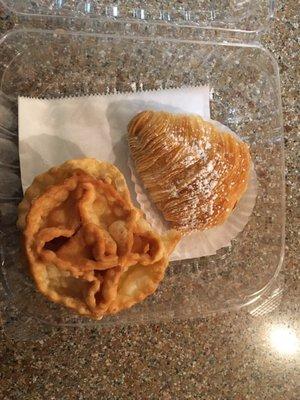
(233, 356)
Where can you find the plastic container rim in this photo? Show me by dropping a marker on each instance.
(259, 31)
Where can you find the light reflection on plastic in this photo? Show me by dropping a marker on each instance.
(187, 15)
(59, 3)
(212, 15)
(112, 11)
(284, 340)
(142, 14)
(87, 7)
(139, 13)
(164, 15)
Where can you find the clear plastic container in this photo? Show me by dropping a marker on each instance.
(245, 96)
(238, 15)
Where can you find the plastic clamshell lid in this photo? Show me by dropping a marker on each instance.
(236, 15)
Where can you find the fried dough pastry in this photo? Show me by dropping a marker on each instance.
(194, 173)
(87, 246)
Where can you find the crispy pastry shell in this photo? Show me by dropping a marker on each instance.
(88, 248)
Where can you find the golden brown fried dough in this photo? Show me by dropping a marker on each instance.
(87, 246)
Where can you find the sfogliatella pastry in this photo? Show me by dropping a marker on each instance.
(194, 173)
(87, 246)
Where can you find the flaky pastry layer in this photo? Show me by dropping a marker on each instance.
(194, 173)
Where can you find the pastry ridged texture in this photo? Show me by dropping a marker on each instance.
(87, 246)
(194, 173)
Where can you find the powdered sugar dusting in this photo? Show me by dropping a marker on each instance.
(202, 179)
(187, 168)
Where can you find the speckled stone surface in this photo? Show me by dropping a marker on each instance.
(230, 356)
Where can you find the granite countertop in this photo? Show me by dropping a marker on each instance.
(232, 356)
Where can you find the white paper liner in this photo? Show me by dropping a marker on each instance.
(201, 243)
